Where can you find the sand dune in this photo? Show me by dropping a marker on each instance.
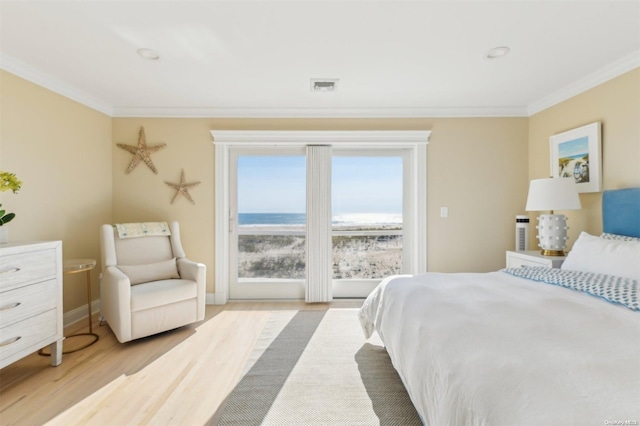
(283, 256)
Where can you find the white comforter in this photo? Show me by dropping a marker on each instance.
(494, 349)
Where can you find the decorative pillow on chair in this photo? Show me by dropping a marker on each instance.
(138, 274)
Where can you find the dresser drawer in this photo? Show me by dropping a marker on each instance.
(518, 263)
(518, 259)
(31, 333)
(27, 268)
(27, 301)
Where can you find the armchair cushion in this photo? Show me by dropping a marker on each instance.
(162, 270)
(159, 293)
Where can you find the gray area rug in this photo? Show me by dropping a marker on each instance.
(316, 368)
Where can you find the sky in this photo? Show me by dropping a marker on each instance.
(579, 146)
(276, 184)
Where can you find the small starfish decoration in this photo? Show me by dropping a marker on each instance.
(182, 188)
(141, 152)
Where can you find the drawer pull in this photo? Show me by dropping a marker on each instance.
(9, 271)
(10, 306)
(10, 341)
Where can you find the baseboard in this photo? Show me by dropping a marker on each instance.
(80, 313)
(215, 299)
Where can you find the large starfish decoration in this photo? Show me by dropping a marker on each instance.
(141, 152)
(182, 188)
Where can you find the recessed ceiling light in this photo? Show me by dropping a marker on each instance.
(149, 54)
(497, 52)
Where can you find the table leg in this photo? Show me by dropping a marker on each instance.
(89, 300)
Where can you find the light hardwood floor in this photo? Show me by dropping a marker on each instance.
(179, 377)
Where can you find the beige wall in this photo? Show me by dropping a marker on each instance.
(61, 150)
(142, 196)
(616, 104)
(476, 167)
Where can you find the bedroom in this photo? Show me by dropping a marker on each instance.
(74, 175)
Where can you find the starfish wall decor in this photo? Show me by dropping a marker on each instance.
(182, 188)
(141, 152)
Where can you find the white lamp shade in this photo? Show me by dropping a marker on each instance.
(553, 194)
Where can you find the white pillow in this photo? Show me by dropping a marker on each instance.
(603, 256)
(138, 274)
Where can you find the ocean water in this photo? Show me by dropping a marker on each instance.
(272, 218)
(577, 156)
(249, 219)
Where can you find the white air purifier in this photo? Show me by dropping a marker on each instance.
(522, 233)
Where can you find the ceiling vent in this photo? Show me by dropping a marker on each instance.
(324, 84)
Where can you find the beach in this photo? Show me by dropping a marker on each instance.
(277, 251)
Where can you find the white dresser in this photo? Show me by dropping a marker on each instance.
(30, 300)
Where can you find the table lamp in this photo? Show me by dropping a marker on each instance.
(552, 194)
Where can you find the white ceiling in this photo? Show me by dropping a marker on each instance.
(256, 58)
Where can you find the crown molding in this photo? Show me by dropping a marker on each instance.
(604, 74)
(22, 70)
(615, 69)
(320, 112)
(14, 66)
(306, 137)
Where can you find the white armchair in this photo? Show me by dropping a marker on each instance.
(161, 289)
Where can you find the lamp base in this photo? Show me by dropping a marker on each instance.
(552, 234)
(552, 252)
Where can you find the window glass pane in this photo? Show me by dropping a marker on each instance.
(367, 257)
(271, 216)
(271, 256)
(272, 184)
(367, 216)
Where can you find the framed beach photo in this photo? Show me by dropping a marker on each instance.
(577, 153)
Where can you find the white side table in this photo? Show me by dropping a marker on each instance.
(517, 259)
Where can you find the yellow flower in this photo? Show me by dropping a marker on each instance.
(9, 182)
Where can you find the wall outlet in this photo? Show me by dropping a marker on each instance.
(444, 211)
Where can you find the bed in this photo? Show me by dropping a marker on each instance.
(532, 346)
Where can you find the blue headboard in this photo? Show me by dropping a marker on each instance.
(621, 212)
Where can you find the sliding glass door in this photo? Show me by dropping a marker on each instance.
(317, 214)
(368, 216)
(268, 221)
(267, 224)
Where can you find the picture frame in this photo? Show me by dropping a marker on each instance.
(577, 153)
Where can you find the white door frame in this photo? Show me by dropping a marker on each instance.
(223, 140)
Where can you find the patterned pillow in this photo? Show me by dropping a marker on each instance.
(616, 237)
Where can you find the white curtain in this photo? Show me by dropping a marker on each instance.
(319, 257)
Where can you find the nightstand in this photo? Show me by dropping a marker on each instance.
(516, 259)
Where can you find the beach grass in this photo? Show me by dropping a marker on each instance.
(354, 256)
